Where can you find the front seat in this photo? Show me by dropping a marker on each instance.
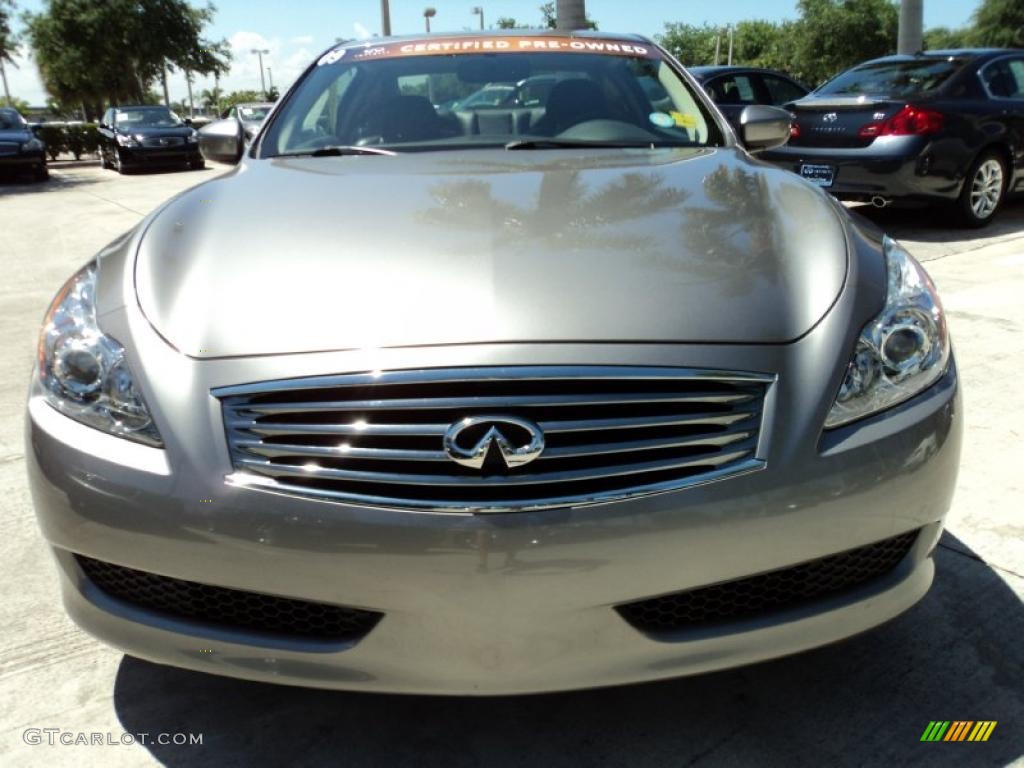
(571, 102)
(407, 118)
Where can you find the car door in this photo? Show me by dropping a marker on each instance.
(781, 90)
(1004, 82)
(733, 92)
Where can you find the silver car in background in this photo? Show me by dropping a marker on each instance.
(499, 401)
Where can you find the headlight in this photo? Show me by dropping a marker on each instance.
(32, 145)
(126, 141)
(192, 138)
(902, 351)
(84, 372)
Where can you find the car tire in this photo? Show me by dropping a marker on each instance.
(119, 163)
(197, 165)
(104, 163)
(41, 173)
(984, 190)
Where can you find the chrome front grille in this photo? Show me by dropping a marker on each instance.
(609, 433)
(162, 141)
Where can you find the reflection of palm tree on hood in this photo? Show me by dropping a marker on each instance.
(735, 233)
(565, 209)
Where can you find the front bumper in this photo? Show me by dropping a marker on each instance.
(502, 603)
(145, 156)
(906, 167)
(22, 161)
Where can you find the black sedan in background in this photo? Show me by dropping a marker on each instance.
(20, 149)
(937, 127)
(146, 136)
(735, 88)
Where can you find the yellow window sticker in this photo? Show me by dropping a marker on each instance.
(684, 121)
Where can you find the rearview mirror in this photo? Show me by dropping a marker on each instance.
(222, 141)
(764, 127)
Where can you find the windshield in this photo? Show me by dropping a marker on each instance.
(896, 79)
(10, 120)
(464, 92)
(148, 117)
(253, 113)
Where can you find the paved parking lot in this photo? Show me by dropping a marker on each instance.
(958, 654)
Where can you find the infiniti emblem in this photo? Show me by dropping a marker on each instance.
(829, 117)
(518, 441)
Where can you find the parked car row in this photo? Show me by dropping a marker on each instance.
(942, 127)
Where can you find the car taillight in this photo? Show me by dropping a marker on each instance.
(909, 121)
(794, 131)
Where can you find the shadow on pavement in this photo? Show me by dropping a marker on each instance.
(932, 224)
(956, 655)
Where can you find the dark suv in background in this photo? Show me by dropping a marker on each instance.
(941, 126)
(147, 136)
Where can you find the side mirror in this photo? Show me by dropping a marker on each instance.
(188, 121)
(764, 127)
(222, 141)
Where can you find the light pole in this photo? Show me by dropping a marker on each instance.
(270, 77)
(259, 52)
(385, 18)
(570, 14)
(428, 13)
(478, 10)
(910, 38)
(730, 44)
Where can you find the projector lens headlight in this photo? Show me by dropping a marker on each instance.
(83, 372)
(901, 352)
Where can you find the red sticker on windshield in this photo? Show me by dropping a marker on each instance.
(446, 46)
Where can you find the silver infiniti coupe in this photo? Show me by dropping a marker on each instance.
(568, 392)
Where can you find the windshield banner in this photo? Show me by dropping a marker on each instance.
(445, 46)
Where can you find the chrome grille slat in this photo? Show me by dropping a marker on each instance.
(285, 470)
(542, 401)
(611, 432)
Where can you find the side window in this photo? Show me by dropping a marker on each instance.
(733, 89)
(782, 91)
(1005, 78)
(108, 117)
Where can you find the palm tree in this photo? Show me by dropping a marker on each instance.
(211, 98)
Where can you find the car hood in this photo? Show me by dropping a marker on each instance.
(308, 254)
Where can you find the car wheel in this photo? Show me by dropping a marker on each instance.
(984, 190)
(42, 173)
(104, 163)
(197, 165)
(119, 163)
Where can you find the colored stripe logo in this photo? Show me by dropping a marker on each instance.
(958, 730)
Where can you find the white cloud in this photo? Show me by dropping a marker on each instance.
(301, 40)
(362, 33)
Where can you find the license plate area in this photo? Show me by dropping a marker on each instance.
(822, 175)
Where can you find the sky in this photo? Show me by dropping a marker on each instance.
(295, 31)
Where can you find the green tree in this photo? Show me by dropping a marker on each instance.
(73, 42)
(937, 38)
(833, 35)
(19, 104)
(239, 97)
(692, 45)
(507, 22)
(999, 23)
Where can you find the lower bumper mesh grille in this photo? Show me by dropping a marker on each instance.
(776, 590)
(229, 608)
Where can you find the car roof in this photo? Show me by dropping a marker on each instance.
(944, 53)
(711, 70)
(255, 104)
(140, 106)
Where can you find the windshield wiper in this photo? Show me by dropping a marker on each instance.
(583, 144)
(339, 150)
